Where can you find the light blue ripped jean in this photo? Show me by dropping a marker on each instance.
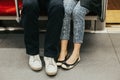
(77, 13)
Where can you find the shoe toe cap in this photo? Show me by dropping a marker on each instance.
(51, 70)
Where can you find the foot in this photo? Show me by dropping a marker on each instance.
(61, 58)
(75, 55)
(50, 66)
(72, 61)
(35, 62)
(59, 63)
(70, 66)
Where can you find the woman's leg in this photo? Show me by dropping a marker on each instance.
(79, 23)
(65, 33)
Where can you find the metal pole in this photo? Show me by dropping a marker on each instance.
(17, 11)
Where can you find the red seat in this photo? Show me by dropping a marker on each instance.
(7, 7)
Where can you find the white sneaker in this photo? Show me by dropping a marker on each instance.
(35, 62)
(50, 66)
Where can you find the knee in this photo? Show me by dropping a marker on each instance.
(56, 4)
(59, 7)
(68, 11)
(30, 5)
(79, 12)
(56, 8)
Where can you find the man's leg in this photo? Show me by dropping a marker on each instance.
(29, 20)
(55, 21)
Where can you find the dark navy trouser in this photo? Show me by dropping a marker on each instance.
(29, 20)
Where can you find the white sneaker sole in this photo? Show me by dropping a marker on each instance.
(36, 69)
(51, 73)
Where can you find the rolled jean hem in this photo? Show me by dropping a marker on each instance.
(50, 55)
(79, 42)
(64, 38)
(32, 54)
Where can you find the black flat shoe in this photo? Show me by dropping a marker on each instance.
(70, 66)
(59, 63)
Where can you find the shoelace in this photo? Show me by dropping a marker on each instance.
(50, 61)
(35, 58)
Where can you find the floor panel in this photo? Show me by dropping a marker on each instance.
(115, 38)
(98, 60)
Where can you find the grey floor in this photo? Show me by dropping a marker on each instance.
(100, 59)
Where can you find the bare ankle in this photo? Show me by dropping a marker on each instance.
(62, 55)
